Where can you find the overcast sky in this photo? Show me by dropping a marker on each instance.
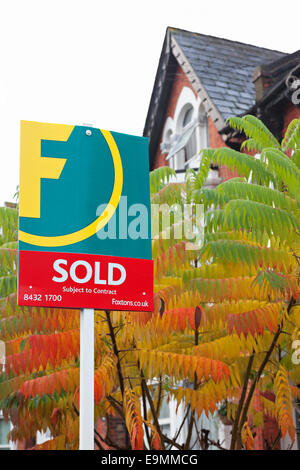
(94, 61)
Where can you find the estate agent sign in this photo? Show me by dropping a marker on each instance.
(84, 227)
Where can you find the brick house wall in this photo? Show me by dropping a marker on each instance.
(214, 138)
(117, 432)
(290, 113)
(180, 82)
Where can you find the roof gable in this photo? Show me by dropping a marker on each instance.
(219, 71)
(225, 68)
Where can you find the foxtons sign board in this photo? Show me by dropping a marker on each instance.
(84, 226)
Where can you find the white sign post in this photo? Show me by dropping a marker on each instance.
(86, 405)
(86, 417)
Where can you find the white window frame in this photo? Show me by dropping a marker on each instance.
(175, 418)
(42, 437)
(10, 444)
(173, 129)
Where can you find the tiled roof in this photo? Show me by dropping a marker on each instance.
(225, 68)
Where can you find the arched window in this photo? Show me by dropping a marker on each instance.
(186, 145)
(188, 128)
(203, 127)
(186, 133)
(168, 143)
(187, 117)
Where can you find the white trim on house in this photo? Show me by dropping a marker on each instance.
(286, 443)
(175, 135)
(174, 420)
(176, 415)
(42, 437)
(9, 445)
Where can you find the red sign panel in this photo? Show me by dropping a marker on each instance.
(72, 280)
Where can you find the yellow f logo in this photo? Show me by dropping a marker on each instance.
(33, 166)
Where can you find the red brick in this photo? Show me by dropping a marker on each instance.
(215, 139)
(290, 113)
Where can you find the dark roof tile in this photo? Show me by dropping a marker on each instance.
(222, 64)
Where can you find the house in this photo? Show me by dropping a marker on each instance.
(200, 82)
(203, 80)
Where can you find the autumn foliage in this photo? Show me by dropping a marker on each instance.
(222, 331)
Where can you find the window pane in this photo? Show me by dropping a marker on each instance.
(180, 160)
(164, 409)
(187, 117)
(211, 424)
(166, 429)
(4, 430)
(190, 148)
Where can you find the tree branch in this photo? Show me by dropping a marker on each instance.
(115, 350)
(259, 373)
(241, 403)
(152, 407)
(190, 428)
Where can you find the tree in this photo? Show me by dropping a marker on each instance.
(225, 318)
(253, 237)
